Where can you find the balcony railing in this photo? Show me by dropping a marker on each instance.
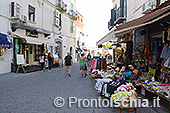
(119, 13)
(120, 16)
(62, 6)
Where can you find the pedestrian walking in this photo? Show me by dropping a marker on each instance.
(88, 59)
(50, 60)
(68, 63)
(45, 53)
(42, 62)
(82, 62)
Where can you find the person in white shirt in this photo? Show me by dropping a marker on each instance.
(42, 62)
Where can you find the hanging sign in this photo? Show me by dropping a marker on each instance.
(32, 34)
(107, 46)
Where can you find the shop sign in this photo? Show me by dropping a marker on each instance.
(32, 34)
(107, 46)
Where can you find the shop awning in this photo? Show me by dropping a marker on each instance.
(36, 41)
(15, 26)
(29, 40)
(148, 18)
(5, 41)
(39, 42)
(109, 36)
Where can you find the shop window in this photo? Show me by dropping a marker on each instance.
(37, 52)
(2, 53)
(31, 13)
(59, 3)
(158, 2)
(72, 6)
(60, 20)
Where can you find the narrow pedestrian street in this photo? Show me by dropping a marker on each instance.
(35, 92)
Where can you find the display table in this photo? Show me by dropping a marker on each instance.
(149, 95)
(30, 68)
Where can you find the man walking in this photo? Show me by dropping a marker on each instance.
(68, 63)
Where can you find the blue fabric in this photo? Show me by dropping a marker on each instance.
(168, 53)
(164, 52)
(5, 41)
(127, 73)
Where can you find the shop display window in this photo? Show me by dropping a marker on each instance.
(38, 51)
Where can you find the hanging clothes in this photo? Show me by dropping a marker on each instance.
(92, 65)
(167, 62)
(164, 51)
(105, 64)
(168, 53)
(102, 63)
(99, 63)
(104, 89)
(95, 64)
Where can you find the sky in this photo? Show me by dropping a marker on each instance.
(97, 14)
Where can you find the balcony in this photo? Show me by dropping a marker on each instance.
(117, 17)
(120, 17)
(61, 6)
(73, 14)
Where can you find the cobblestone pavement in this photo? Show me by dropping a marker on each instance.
(35, 92)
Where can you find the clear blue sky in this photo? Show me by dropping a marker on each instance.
(96, 14)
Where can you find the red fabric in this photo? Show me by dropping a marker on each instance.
(102, 64)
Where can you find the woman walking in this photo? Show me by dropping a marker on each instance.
(83, 65)
(42, 62)
(49, 61)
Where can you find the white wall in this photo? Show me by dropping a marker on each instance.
(5, 64)
(69, 37)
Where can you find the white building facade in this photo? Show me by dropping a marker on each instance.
(5, 53)
(35, 26)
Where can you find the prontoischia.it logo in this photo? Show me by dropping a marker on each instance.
(99, 103)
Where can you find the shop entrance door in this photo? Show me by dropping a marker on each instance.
(130, 49)
(30, 54)
(71, 50)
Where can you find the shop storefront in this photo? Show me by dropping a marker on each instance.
(150, 55)
(31, 43)
(31, 51)
(106, 47)
(125, 47)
